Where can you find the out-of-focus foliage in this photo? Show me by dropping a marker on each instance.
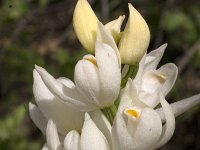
(13, 133)
(40, 32)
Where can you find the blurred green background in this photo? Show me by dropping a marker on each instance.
(40, 32)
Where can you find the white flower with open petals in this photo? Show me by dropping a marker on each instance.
(83, 115)
(150, 81)
(139, 127)
(97, 78)
(50, 106)
(90, 138)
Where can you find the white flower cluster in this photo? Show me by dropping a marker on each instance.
(106, 107)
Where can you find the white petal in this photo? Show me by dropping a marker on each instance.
(109, 73)
(149, 62)
(154, 57)
(148, 130)
(122, 139)
(91, 137)
(72, 141)
(169, 127)
(151, 84)
(53, 141)
(87, 80)
(104, 36)
(171, 72)
(138, 78)
(103, 124)
(45, 147)
(67, 82)
(70, 95)
(54, 108)
(181, 106)
(145, 133)
(129, 97)
(37, 117)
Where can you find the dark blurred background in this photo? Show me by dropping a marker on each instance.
(40, 32)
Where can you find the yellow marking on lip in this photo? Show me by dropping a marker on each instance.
(133, 113)
(161, 77)
(92, 60)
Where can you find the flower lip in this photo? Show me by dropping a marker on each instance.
(132, 112)
(161, 77)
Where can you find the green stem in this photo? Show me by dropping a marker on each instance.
(110, 113)
(130, 74)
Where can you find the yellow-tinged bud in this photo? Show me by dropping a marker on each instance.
(85, 25)
(114, 27)
(135, 38)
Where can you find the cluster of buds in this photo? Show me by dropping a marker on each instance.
(106, 107)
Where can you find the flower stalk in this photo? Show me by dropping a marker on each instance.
(110, 112)
(132, 71)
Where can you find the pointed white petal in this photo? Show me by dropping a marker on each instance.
(109, 73)
(149, 62)
(126, 96)
(154, 57)
(72, 141)
(103, 124)
(37, 117)
(181, 106)
(138, 78)
(53, 141)
(53, 108)
(170, 71)
(104, 36)
(185, 104)
(92, 137)
(129, 97)
(169, 127)
(69, 95)
(67, 82)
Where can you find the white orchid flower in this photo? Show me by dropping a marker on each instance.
(89, 138)
(138, 126)
(50, 106)
(149, 80)
(97, 79)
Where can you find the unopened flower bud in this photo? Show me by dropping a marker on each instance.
(85, 25)
(135, 38)
(114, 27)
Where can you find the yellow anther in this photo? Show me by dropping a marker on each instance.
(133, 113)
(92, 60)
